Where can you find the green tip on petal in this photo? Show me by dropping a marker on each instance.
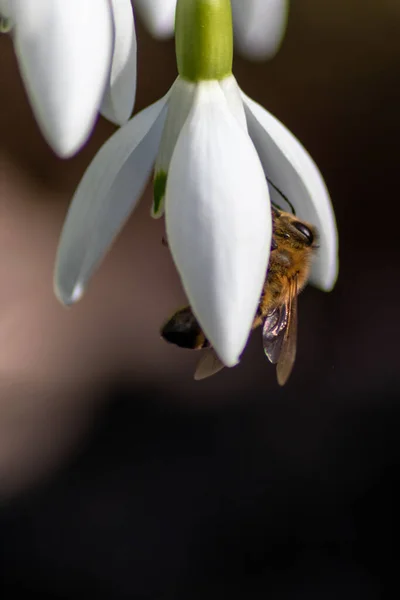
(159, 185)
(204, 39)
(5, 24)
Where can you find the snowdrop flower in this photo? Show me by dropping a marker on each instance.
(76, 57)
(259, 25)
(212, 147)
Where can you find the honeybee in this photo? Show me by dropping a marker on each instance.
(292, 247)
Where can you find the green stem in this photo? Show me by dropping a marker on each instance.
(204, 39)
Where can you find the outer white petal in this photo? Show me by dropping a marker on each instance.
(64, 51)
(158, 16)
(218, 221)
(289, 166)
(104, 199)
(259, 26)
(120, 94)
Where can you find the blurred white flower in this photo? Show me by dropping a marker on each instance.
(158, 16)
(259, 25)
(76, 57)
(215, 144)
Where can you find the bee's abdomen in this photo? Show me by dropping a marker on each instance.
(184, 331)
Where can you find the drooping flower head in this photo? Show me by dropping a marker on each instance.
(212, 148)
(76, 58)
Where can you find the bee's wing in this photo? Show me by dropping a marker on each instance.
(208, 365)
(288, 349)
(274, 332)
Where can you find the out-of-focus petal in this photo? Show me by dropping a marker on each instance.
(218, 221)
(120, 94)
(289, 166)
(158, 16)
(180, 103)
(107, 194)
(259, 26)
(64, 52)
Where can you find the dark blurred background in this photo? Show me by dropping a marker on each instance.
(122, 477)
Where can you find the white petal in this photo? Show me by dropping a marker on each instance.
(64, 51)
(158, 16)
(218, 220)
(180, 104)
(120, 95)
(289, 166)
(104, 199)
(259, 26)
